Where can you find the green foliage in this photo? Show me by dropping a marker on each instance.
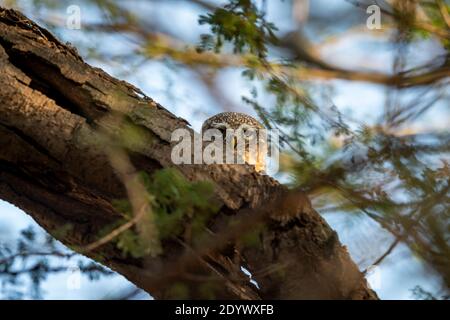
(288, 112)
(128, 241)
(251, 239)
(177, 204)
(131, 245)
(241, 23)
(208, 289)
(123, 206)
(178, 200)
(178, 290)
(435, 18)
(62, 231)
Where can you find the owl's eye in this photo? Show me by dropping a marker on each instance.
(246, 134)
(249, 133)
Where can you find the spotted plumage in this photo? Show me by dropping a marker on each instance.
(232, 119)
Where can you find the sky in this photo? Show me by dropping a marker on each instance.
(174, 89)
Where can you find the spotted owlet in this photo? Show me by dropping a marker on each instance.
(247, 130)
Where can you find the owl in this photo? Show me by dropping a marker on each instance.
(245, 128)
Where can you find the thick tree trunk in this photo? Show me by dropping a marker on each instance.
(53, 166)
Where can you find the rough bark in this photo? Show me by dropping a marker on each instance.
(52, 166)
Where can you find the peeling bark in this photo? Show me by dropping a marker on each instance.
(53, 167)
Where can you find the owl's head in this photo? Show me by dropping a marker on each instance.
(240, 122)
(244, 127)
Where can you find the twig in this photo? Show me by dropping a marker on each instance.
(137, 194)
(110, 236)
(384, 255)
